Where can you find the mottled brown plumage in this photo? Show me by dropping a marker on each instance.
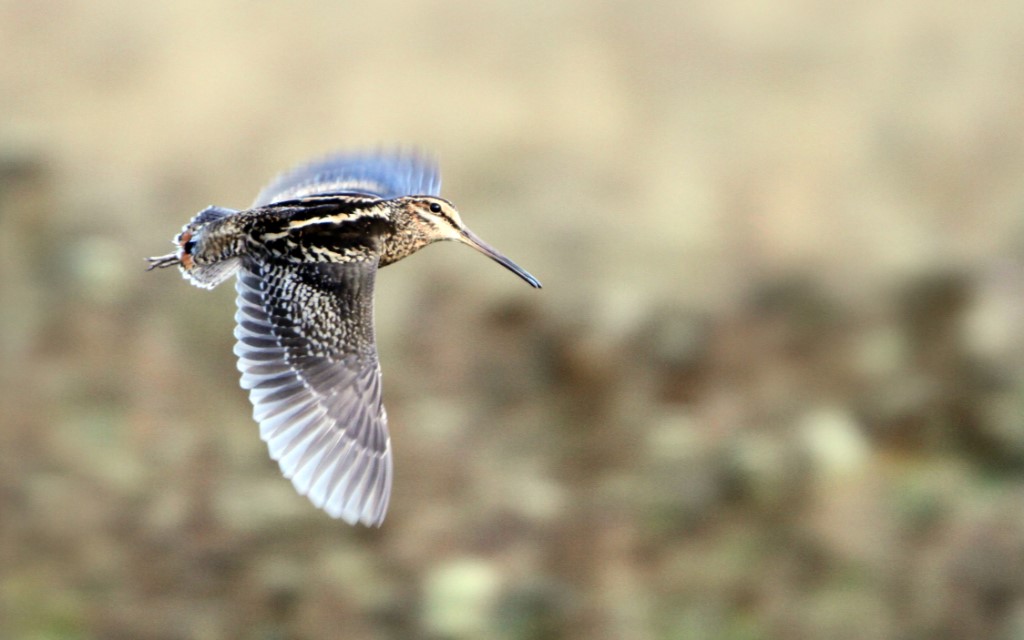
(306, 256)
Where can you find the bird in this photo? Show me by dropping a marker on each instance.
(305, 257)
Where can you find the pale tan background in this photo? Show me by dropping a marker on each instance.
(772, 387)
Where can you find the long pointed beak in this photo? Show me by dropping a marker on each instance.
(473, 240)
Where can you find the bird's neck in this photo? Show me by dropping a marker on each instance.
(408, 238)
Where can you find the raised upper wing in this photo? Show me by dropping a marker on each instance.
(306, 351)
(381, 174)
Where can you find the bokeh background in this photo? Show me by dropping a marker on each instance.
(773, 387)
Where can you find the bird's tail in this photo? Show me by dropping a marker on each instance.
(205, 259)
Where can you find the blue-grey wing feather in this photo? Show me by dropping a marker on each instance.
(380, 174)
(306, 351)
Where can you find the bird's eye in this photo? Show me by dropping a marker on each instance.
(435, 207)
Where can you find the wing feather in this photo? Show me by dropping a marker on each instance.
(313, 377)
(382, 174)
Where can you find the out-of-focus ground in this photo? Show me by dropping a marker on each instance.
(773, 387)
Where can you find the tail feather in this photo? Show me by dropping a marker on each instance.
(205, 274)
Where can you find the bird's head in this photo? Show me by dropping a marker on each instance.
(435, 219)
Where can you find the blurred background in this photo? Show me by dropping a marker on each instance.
(773, 387)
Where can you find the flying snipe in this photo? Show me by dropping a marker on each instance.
(306, 255)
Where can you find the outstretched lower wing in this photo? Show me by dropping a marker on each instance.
(306, 351)
(381, 174)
